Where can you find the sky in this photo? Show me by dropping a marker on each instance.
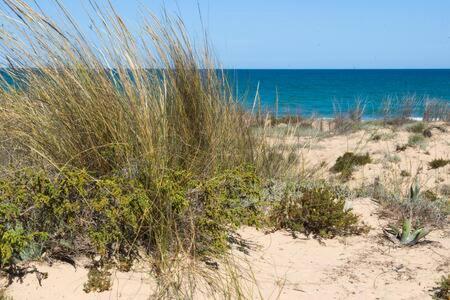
(309, 34)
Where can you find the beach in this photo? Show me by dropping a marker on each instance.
(313, 162)
(276, 265)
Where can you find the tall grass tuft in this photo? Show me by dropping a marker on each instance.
(142, 127)
(436, 110)
(141, 104)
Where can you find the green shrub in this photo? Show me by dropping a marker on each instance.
(401, 148)
(430, 195)
(383, 136)
(346, 163)
(416, 140)
(376, 137)
(442, 291)
(99, 280)
(405, 173)
(117, 216)
(418, 127)
(438, 163)
(317, 209)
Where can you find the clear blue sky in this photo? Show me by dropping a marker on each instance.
(313, 33)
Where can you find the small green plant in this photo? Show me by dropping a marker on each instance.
(401, 148)
(346, 163)
(416, 127)
(393, 158)
(416, 140)
(438, 163)
(376, 137)
(442, 291)
(430, 195)
(317, 209)
(405, 173)
(99, 280)
(406, 236)
(385, 136)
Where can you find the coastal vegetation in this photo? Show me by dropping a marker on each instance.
(346, 163)
(316, 208)
(438, 163)
(133, 148)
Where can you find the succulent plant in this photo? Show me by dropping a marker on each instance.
(414, 192)
(405, 236)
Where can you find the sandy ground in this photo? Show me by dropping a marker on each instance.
(320, 153)
(360, 267)
(66, 282)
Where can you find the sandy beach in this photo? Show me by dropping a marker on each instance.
(357, 267)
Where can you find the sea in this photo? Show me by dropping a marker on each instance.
(326, 92)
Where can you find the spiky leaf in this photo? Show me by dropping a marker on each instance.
(406, 230)
(416, 236)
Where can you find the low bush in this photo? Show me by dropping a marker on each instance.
(316, 208)
(401, 148)
(346, 163)
(438, 163)
(416, 140)
(430, 195)
(99, 280)
(418, 127)
(405, 173)
(75, 213)
(385, 136)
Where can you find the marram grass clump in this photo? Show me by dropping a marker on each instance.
(143, 103)
(132, 143)
(315, 208)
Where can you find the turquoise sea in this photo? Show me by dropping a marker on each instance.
(317, 91)
(320, 92)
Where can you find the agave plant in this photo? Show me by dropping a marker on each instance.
(414, 192)
(406, 236)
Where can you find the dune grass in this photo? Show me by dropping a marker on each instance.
(123, 146)
(118, 145)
